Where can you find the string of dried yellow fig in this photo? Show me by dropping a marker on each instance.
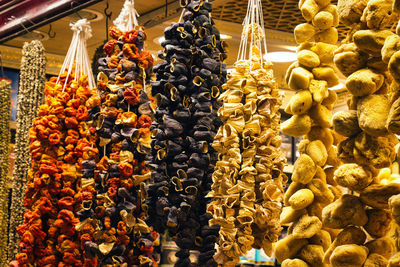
(312, 186)
(391, 56)
(362, 215)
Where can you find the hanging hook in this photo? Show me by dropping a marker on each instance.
(76, 11)
(49, 33)
(108, 17)
(79, 15)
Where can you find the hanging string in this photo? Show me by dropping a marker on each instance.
(127, 19)
(253, 34)
(181, 17)
(77, 58)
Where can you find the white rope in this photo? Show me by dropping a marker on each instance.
(127, 19)
(181, 16)
(253, 34)
(77, 54)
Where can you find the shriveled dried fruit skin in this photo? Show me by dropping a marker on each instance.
(379, 222)
(188, 84)
(383, 246)
(350, 11)
(349, 255)
(288, 248)
(306, 227)
(375, 260)
(346, 123)
(304, 169)
(372, 112)
(353, 176)
(348, 210)
(348, 59)
(294, 263)
(312, 254)
(248, 180)
(377, 195)
(301, 199)
(349, 235)
(369, 146)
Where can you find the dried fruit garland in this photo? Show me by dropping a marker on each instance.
(30, 97)
(59, 141)
(312, 187)
(115, 216)
(188, 82)
(248, 179)
(5, 136)
(368, 143)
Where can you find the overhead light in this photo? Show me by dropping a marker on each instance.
(290, 47)
(225, 36)
(337, 87)
(281, 56)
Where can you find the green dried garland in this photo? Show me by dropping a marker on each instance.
(5, 137)
(30, 97)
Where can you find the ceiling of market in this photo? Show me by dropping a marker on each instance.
(155, 15)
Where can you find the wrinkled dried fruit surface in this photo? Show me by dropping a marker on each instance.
(188, 83)
(313, 186)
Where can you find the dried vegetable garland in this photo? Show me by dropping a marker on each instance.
(248, 179)
(188, 82)
(59, 140)
(116, 214)
(312, 187)
(30, 96)
(5, 136)
(368, 144)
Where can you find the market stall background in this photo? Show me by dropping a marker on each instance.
(280, 19)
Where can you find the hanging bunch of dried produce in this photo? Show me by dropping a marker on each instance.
(5, 136)
(248, 180)
(312, 186)
(188, 83)
(112, 218)
(59, 140)
(366, 145)
(30, 97)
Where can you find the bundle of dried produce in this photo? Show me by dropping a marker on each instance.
(312, 187)
(5, 136)
(367, 145)
(113, 211)
(188, 83)
(30, 97)
(59, 141)
(248, 180)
